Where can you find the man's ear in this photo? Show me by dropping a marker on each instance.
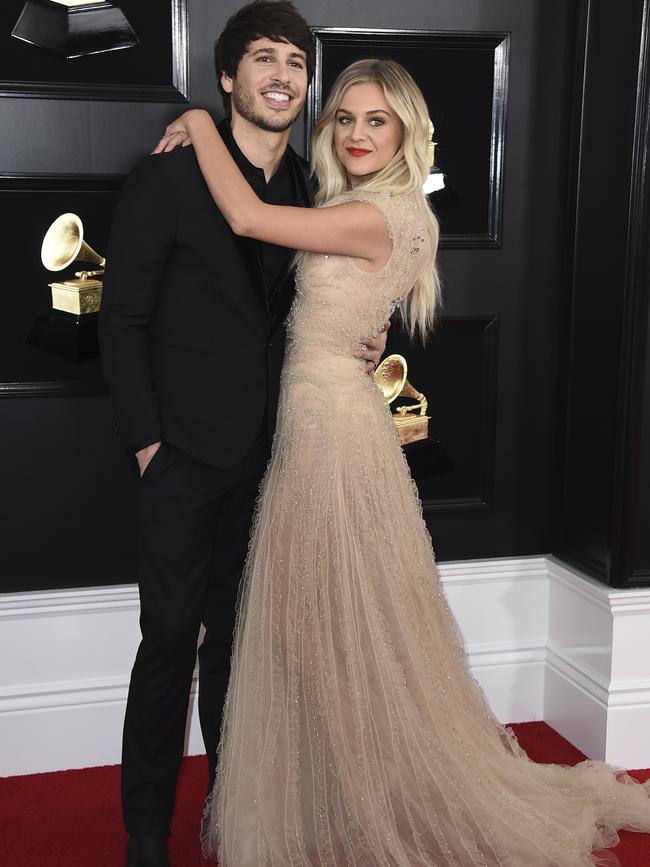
(226, 82)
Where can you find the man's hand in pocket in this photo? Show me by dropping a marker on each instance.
(145, 455)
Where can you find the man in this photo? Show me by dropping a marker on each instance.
(192, 346)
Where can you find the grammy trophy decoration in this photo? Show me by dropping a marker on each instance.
(75, 28)
(69, 328)
(436, 180)
(411, 420)
(63, 244)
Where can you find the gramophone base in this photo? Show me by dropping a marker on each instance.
(411, 427)
(74, 31)
(65, 334)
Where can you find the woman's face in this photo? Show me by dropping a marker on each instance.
(367, 133)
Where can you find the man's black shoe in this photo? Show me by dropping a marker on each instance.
(146, 851)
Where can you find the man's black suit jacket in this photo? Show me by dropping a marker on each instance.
(192, 342)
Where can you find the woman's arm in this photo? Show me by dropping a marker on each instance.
(352, 229)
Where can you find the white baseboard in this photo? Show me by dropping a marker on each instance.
(501, 606)
(598, 667)
(543, 641)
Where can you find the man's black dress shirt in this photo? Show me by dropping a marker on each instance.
(280, 190)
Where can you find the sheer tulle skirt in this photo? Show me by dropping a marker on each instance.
(353, 732)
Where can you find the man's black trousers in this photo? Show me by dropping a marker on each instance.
(195, 526)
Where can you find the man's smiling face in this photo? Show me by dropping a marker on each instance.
(270, 86)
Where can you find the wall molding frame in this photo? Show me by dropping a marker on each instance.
(177, 91)
(488, 325)
(38, 191)
(371, 41)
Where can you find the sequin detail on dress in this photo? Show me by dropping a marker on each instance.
(354, 734)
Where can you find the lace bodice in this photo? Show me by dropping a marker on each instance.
(337, 304)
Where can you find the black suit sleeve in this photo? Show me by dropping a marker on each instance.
(142, 236)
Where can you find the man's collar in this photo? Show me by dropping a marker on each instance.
(241, 159)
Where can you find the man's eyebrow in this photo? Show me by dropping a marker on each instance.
(268, 50)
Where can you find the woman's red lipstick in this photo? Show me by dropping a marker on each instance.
(357, 152)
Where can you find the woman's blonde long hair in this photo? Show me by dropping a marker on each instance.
(405, 173)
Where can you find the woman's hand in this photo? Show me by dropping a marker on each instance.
(373, 349)
(178, 132)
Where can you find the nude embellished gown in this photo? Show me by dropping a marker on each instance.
(354, 734)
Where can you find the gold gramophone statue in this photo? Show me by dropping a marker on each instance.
(435, 179)
(64, 244)
(411, 421)
(70, 327)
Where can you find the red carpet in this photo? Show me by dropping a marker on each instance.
(72, 818)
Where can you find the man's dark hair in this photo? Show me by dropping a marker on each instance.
(278, 20)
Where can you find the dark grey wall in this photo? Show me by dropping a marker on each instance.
(67, 481)
(85, 136)
(603, 510)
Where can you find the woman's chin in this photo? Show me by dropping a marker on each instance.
(356, 179)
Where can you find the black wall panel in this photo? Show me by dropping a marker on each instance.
(642, 518)
(604, 476)
(30, 205)
(468, 346)
(68, 504)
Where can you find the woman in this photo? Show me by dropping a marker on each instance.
(353, 731)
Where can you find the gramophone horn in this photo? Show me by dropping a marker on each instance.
(391, 376)
(63, 244)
